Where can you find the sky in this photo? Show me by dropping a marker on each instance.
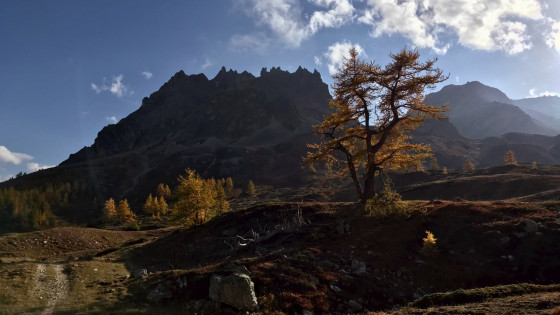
(68, 68)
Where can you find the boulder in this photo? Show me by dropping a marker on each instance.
(236, 290)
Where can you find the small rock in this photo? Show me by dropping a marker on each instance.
(307, 312)
(355, 306)
(336, 289)
(182, 282)
(526, 227)
(142, 273)
(358, 267)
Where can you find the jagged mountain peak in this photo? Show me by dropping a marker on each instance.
(235, 125)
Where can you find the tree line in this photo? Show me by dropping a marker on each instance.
(193, 201)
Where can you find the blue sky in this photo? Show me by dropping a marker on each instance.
(68, 68)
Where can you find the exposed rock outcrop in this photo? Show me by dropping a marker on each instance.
(236, 290)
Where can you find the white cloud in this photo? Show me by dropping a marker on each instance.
(147, 74)
(207, 64)
(117, 87)
(6, 156)
(532, 93)
(34, 167)
(553, 36)
(318, 61)
(96, 88)
(492, 25)
(284, 17)
(338, 52)
(111, 120)
(341, 12)
(478, 24)
(256, 42)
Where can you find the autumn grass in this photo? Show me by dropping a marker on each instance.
(480, 294)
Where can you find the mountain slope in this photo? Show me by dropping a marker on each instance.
(479, 111)
(545, 109)
(234, 125)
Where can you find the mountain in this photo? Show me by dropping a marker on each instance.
(234, 125)
(479, 111)
(545, 109)
(451, 149)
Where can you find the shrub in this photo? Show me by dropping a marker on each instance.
(429, 246)
(387, 203)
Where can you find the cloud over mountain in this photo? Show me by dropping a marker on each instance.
(497, 25)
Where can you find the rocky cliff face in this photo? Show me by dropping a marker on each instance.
(235, 125)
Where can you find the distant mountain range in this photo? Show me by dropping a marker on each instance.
(545, 109)
(483, 125)
(257, 128)
(479, 111)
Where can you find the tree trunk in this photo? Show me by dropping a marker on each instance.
(369, 185)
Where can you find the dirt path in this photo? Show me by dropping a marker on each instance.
(50, 283)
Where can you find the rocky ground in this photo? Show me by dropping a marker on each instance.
(295, 258)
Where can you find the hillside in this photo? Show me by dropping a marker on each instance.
(249, 128)
(328, 260)
(234, 125)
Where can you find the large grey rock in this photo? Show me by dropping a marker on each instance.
(236, 290)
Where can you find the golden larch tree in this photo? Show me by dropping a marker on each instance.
(196, 198)
(251, 190)
(109, 210)
(509, 158)
(125, 214)
(374, 109)
(468, 166)
(163, 190)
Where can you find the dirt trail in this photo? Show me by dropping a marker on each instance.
(51, 283)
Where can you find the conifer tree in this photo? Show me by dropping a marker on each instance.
(109, 210)
(444, 170)
(125, 214)
(468, 166)
(509, 158)
(150, 206)
(434, 165)
(162, 206)
(251, 190)
(374, 110)
(163, 191)
(195, 198)
(222, 203)
(229, 185)
(534, 165)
